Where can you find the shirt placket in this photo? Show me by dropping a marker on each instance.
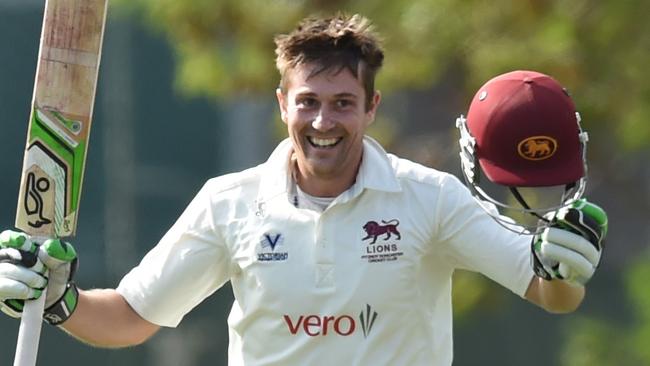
(323, 254)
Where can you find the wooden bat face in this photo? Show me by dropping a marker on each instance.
(62, 106)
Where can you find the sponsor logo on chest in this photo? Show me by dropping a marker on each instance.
(326, 325)
(387, 249)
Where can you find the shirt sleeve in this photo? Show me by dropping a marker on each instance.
(475, 241)
(189, 264)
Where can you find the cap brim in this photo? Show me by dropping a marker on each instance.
(543, 175)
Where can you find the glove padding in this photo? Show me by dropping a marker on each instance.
(26, 268)
(570, 248)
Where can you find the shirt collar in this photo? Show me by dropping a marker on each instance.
(276, 174)
(376, 171)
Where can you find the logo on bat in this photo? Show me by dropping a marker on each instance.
(33, 200)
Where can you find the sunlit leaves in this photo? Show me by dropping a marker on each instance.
(598, 49)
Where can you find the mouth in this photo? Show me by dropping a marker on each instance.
(323, 143)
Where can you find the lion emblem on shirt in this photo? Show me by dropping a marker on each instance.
(374, 229)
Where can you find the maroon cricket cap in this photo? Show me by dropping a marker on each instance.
(526, 131)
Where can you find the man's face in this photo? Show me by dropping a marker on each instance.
(326, 118)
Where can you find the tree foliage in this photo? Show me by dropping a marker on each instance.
(598, 49)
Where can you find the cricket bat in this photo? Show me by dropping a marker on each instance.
(57, 138)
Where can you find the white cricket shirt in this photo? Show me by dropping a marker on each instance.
(365, 282)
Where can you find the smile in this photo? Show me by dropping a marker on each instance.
(318, 142)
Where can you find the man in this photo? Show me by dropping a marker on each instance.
(337, 252)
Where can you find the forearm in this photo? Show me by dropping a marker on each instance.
(104, 319)
(555, 296)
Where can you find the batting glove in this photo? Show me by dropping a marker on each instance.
(570, 248)
(26, 268)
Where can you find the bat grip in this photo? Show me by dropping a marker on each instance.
(29, 332)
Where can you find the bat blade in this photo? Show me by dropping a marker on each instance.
(61, 115)
(57, 137)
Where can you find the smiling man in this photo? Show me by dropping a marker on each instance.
(338, 252)
(327, 99)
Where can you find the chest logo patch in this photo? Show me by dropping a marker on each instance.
(267, 252)
(271, 240)
(388, 249)
(374, 230)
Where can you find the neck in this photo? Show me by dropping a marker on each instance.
(319, 185)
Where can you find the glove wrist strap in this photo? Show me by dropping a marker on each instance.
(537, 265)
(64, 307)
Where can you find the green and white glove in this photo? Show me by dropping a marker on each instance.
(26, 268)
(570, 248)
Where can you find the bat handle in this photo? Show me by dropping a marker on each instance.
(29, 332)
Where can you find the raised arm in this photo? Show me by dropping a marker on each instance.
(554, 296)
(566, 255)
(98, 317)
(104, 319)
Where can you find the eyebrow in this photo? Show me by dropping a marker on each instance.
(346, 95)
(338, 95)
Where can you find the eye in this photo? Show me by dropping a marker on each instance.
(306, 102)
(344, 103)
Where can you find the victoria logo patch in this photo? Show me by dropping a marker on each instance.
(537, 148)
(271, 240)
(269, 248)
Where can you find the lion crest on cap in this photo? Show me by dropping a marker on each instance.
(537, 147)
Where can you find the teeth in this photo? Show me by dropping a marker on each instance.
(323, 142)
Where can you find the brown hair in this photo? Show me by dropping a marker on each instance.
(333, 44)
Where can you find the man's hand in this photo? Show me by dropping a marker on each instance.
(570, 249)
(26, 268)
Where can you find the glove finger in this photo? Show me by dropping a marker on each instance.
(23, 259)
(571, 277)
(55, 252)
(16, 240)
(12, 289)
(21, 274)
(13, 308)
(573, 242)
(576, 262)
(582, 224)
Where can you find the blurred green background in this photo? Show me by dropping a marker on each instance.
(186, 92)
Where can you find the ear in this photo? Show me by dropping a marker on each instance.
(370, 114)
(282, 102)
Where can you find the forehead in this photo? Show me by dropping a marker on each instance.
(333, 81)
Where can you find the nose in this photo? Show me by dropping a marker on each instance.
(322, 121)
